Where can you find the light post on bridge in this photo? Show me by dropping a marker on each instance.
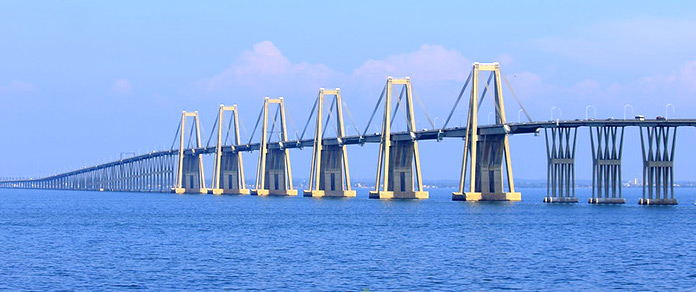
(626, 106)
(587, 109)
(667, 106)
(560, 113)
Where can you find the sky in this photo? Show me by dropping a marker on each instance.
(83, 81)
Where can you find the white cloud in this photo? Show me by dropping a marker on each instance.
(122, 86)
(428, 63)
(440, 72)
(264, 67)
(16, 87)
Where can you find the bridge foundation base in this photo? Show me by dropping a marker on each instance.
(229, 192)
(490, 197)
(561, 200)
(277, 193)
(329, 194)
(657, 202)
(606, 201)
(387, 195)
(189, 191)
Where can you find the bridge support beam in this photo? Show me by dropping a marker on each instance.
(658, 143)
(486, 175)
(273, 173)
(560, 170)
(329, 175)
(607, 149)
(190, 177)
(228, 170)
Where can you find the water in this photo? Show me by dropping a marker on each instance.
(67, 240)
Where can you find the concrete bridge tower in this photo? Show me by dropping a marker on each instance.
(190, 177)
(273, 173)
(486, 151)
(329, 176)
(228, 169)
(397, 159)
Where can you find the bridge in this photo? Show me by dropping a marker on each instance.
(486, 172)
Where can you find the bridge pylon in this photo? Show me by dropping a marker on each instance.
(658, 144)
(228, 167)
(560, 167)
(486, 151)
(607, 150)
(397, 159)
(273, 172)
(329, 175)
(190, 177)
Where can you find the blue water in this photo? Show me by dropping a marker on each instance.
(68, 240)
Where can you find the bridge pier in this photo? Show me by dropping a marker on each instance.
(606, 164)
(399, 177)
(189, 177)
(329, 175)
(192, 181)
(230, 178)
(228, 170)
(273, 173)
(560, 170)
(396, 178)
(658, 164)
(486, 182)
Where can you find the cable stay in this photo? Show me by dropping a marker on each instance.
(350, 117)
(253, 132)
(529, 118)
(193, 127)
(309, 119)
(328, 118)
(207, 144)
(297, 135)
(227, 134)
(420, 103)
(459, 98)
(275, 118)
(485, 90)
(396, 108)
(176, 135)
(379, 101)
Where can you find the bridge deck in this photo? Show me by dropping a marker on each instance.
(456, 132)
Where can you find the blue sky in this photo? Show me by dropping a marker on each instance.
(83, 81)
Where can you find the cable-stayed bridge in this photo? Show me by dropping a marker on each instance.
(486, 173)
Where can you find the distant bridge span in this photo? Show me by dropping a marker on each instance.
(486, 151)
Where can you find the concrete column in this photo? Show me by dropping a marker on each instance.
(560, 150)
(231, 178)
(607, 149)
(191, 176)
(400, 184)
(331, 175)
(658, 145)
(276, 179)
(488, 179)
